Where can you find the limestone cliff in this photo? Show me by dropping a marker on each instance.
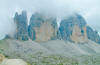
(41, 29)
(73, 29)
(22, 27)
(78, 36)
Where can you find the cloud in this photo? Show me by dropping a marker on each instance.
(93, 18)
(89, 9)
(7, 27)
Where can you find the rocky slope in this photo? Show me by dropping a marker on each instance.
(32, 52)
(20, 48)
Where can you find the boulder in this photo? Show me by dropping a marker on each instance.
(13, 62)
(1, 58)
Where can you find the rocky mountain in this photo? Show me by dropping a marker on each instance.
(22, 26)
(43, 43)
(41, 29)
(73, 28)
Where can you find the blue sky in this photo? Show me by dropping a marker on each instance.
(89, 9)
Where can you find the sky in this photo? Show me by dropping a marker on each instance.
(89, 9)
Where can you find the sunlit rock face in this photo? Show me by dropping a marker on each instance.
(78, 36)
(22, 27)
(41, 29)
(73, 29)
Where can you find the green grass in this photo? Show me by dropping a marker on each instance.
(65, 60)
(3, 45)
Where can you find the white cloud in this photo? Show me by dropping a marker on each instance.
(57, 8)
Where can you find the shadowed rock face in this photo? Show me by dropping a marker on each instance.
(41, 29)
(22, 27)
(35, 21)
(93, 35)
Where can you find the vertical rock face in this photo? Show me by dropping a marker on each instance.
(93, 35)
(78, 36)
(35, 21)
(41, 29)
(22, 27)
(73, 29)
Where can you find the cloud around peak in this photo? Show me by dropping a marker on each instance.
(89, 9)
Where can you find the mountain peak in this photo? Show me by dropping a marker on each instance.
(73, 28)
